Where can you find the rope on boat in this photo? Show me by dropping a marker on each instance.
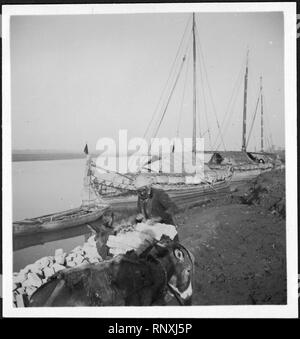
(111, 171)
(168, 80)
(173, 88)
(230, 106)
(170, 96)
(205, 108)
(183, 96)
(267, 124)
(209, 88)
(253, 119)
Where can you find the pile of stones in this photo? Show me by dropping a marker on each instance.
(33, 276)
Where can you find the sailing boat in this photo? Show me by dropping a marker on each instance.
(185, 187)
(246, 165)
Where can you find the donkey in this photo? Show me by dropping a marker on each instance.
(126, 280)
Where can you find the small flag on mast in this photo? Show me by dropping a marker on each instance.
(86, 150)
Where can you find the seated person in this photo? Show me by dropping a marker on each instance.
(154, 203)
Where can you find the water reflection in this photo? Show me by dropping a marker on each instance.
(28, 249)
(24, 241)
(44, 187)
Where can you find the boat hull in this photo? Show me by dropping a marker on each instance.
(59, 221)
(247, 174)
(182, 196)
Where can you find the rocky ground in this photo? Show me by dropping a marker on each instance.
(239, 245)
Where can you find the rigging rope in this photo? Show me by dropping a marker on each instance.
(202, 135)
(230, 106)
(167, 105)
(266, 135)
(253, 118)
(209, 88)
(93, 164)
(229, 123)
(267, 124)
(230, 117)
(205, 105)
(183, 96)
(199, 122)
(168, 80)
(172, 90)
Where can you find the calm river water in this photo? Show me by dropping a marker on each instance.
(43, 187)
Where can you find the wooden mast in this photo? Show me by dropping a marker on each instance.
(261, 117)
(194, 91)
(245, 105)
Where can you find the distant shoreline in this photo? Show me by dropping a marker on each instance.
(18, 156)
(45, 156)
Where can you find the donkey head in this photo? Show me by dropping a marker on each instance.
(179, 264)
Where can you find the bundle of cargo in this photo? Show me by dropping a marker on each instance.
(139, 237)
(146, 264)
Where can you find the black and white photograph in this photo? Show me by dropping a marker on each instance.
(150, 159)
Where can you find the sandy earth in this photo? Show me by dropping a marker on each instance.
(239, 249)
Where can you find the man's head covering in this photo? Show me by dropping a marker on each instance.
(142, 181)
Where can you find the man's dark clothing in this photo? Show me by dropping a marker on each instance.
(158, 204)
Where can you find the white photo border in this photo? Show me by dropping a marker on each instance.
(290, 82)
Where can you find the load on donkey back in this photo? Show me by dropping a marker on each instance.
(159, 274)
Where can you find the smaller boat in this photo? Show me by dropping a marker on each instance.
(58, 221)
(245, 165)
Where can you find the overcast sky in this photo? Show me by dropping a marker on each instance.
(76, 79)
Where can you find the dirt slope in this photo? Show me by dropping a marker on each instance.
(239, 249)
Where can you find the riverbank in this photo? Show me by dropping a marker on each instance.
(239, 245)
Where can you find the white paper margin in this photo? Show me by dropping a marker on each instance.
(254, 311)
